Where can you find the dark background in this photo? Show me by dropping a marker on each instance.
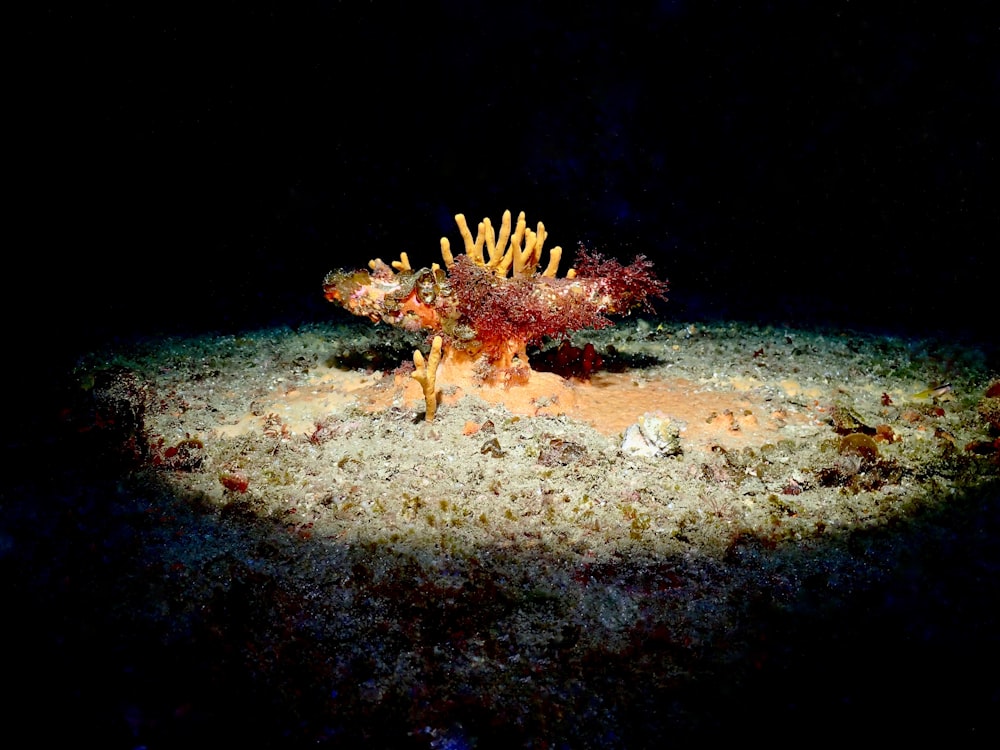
(789, 163)
(180, 170)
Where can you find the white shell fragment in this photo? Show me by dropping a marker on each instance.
(654, 435)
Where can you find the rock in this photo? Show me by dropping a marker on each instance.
(654, 435)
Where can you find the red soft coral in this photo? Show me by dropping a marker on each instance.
(627, 286)
(504, 315)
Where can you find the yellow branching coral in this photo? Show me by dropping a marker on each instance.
(426, 375)
(504, 259)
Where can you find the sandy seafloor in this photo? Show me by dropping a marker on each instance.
(257, 541)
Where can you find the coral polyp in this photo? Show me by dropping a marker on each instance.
(492, 302)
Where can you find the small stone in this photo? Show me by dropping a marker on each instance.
(654, 435)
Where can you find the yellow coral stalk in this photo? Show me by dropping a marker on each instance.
(426, 375)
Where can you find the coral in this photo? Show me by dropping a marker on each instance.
(426, 374)
(568, 361)
(490, 303)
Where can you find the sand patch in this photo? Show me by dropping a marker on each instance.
(609, 402)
